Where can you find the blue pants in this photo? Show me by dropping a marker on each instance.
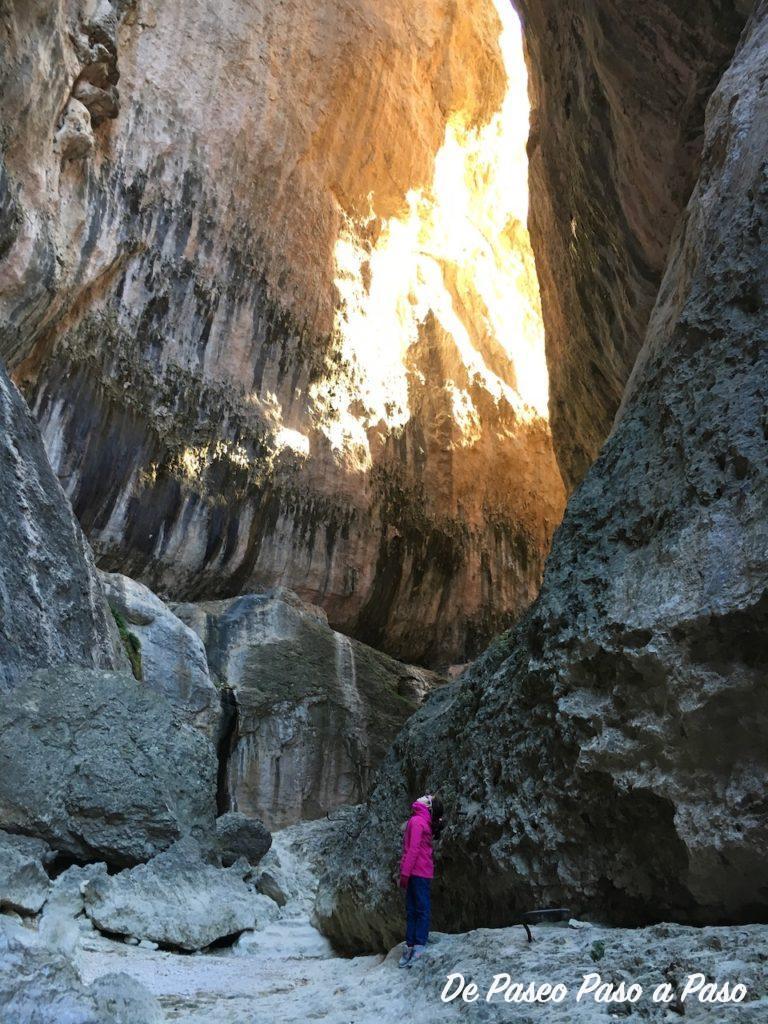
(417, 910)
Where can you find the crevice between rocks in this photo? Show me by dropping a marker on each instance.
(228, 732)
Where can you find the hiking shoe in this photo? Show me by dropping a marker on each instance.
(405, 959)
(417, 954)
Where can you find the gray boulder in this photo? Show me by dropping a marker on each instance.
(310, 711)
(268, 885)
(24, 885)
(52, 609)
(178, 900)
(172, 656)
(63, 920)
(610, 753)
(39, 985)
(99, 765)
(239, 836)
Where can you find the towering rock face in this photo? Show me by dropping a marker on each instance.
(308, 713)
(610, 753)
(618, 92)
(52, 609)
(257, 272)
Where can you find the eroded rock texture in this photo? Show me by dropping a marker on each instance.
(24, 884)
(610, 753)
(178, 900)
(308, 714)
(617, 93)
(257, 307)
(52, 609)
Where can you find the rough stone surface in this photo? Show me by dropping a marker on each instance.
(240, 836)
(178, 900)
(98, 766)
(52, 610)
(39, 985)
(610, 752)
(173, 658)
(24, 884)
(179, 305)
(618, 91)
(66, 892)
(310, 712)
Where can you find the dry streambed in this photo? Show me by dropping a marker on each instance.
(287, 972)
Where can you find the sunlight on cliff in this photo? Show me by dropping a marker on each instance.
(461, 253)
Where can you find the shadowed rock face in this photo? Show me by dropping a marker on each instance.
(617, 93)
(609, 753)
(189, 240)
(98, 766)
(52, 609)
(308, 714)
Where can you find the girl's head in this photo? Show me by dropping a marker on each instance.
(435, 807)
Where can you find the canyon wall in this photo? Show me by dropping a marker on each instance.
(609, 753)
(617, 94)
(52, 608)
(256, 271)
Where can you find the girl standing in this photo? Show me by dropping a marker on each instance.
(417, 870)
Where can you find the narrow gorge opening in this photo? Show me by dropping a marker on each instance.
(458, 255)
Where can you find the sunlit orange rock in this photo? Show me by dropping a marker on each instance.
(278, 317)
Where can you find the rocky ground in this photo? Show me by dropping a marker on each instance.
(284, 983)
(287, 971)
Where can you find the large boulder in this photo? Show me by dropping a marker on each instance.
(24, 885)
(52, 610)
(311, 712)
(178, 900)
(610, 753)
(99, 766)
(171, 656)
(240, 836)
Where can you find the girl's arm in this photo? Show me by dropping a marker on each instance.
(411, 840)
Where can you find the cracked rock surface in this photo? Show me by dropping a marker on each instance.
(52, 609)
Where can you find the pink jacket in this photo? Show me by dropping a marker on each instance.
(417, 844)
